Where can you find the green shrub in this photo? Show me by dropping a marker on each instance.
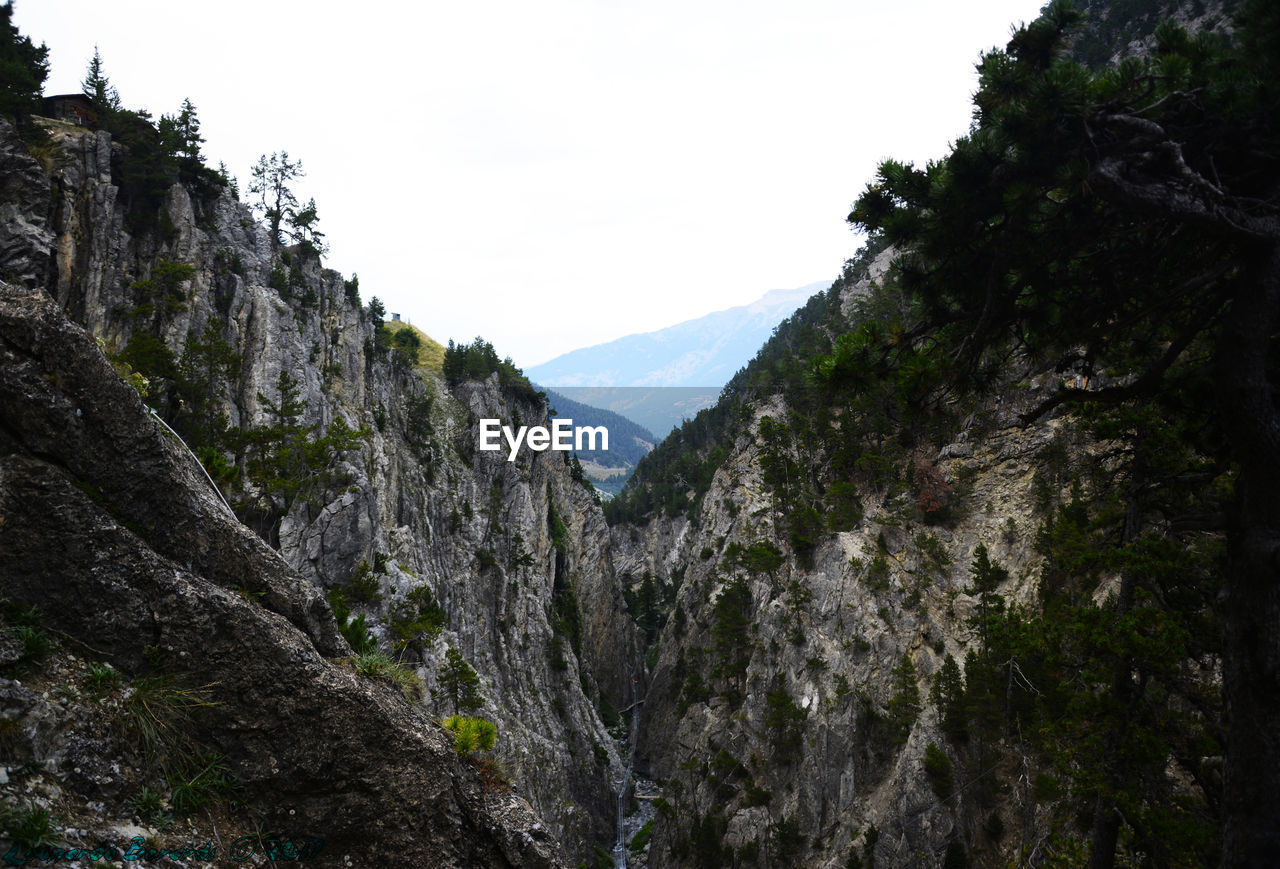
(377, 665)
(31, 828)
(932, 549)
(641, 839)
(36, 644)
(757, 796)
(158, 713)
(357, 635)
(471, 734)
(878, 573)
(201, 779)
(405, 345)
(760, 557)
(363, 586)
(101, 679)
(419, 615)
(149, 805)
(937, 767)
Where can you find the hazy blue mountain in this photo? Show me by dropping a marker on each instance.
(628, 441)
(703, 352)
(657, 408)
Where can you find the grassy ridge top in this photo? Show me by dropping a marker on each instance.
(430, 354)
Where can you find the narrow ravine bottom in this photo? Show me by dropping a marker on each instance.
(620, 847)
(643, 812)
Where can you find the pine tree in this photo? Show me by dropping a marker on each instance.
(904, 705)
(1123, 224)
(302, 223)
(454, 360)
(947, 695)
(289, 460)
(208, 360)
(24, 66)
(272, 177)
(731, 634)
(987, 575)
(459, 683)
(188, 128)
(180, 140)
(98, 88)
(783, 719)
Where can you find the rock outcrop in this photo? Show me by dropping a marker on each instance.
(110, 530)
(414, 513)
(792, 761)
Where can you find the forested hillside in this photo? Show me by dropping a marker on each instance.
(995, 514)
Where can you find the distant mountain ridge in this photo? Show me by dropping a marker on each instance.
(705, 351)
(607, 468)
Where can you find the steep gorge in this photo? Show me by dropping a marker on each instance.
(940, 580)
(899, 612)
(411, 521)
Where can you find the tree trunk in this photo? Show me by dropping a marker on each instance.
(1250, 596)
(1105, 832)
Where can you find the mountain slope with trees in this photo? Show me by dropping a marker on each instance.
(429, 579)
(997, 517)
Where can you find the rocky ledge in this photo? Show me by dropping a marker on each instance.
(146, 633)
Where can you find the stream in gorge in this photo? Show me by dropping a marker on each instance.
(624, 789)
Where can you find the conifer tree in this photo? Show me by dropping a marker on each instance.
(947, 695)
(1124, 225)
(24, 66)
(98, 88)
(303, 223)
(459, 684)
(180, 138)
(904, 705)
(271, 180)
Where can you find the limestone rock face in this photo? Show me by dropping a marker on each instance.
(25, 237)
(830, 636)
(111, 532)
(416, 510)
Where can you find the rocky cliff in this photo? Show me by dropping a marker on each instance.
(789, 762)
(189, 652)
(388, 510)
(801, 710)
(923, 595)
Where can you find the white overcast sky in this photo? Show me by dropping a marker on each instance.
(552, 174)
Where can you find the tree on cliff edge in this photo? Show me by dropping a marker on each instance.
(23, 68)
(1127, 225)
(271, 180)
(98, 88)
